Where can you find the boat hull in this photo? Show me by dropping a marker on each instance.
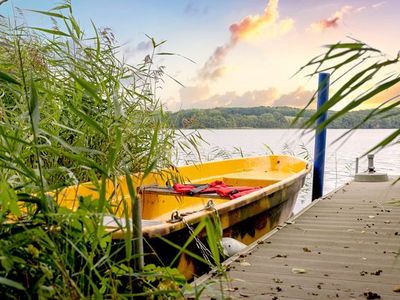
(244, 223)
(274, 180)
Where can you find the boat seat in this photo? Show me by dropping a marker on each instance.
(255, 178)
(116, 222)
(160, 190)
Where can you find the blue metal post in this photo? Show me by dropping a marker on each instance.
(320, 139)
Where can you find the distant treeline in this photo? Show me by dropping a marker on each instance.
(273, 117)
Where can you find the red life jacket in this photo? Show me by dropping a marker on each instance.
(217, 186)
(183, 188)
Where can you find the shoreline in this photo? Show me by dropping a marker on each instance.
(252, 128)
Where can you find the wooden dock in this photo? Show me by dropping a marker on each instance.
(344, 246)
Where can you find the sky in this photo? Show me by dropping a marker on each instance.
(241, 53)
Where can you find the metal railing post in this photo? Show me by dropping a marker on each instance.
(357, 162)
(320, 139)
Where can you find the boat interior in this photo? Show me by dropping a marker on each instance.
(159, 200)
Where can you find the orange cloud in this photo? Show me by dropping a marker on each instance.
(266, 24)
(253, 25)
(333, 21)
(192, 94)
(200, 97)
(194, 97)
(384, 98)
(298, 98)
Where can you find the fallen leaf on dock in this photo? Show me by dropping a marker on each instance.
(305, 249)
(371, 217)
(298, 271)
(280, 255)
(396, 289)
(371, 295)
(377, 273)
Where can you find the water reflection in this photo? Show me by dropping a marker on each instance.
(340, 156)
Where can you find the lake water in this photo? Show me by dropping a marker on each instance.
(340, 156)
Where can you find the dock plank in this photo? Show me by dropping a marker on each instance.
(344, 246)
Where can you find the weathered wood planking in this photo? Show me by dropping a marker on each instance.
(344, 246)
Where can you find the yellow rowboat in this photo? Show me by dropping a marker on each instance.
(168, 213)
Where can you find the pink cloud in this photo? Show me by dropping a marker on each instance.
(199, 97)
(379, 4)
(298, 98)
(333, 21)
(213, 68)
(193, 97)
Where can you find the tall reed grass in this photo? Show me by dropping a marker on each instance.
(72, 111)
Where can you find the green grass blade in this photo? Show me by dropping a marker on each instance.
(34, 108)
(213, 240)
(8, 199)
(357, 102)
(51, 31)
(61, 7)
(91, 89)
(88, 120)
(8, 78)
(116, 148)
(385, 142)
(136, 223)
(11, 283)
(48, 13)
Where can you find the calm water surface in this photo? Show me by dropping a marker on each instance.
(340, 156)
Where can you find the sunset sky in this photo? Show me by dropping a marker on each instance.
(245, 51)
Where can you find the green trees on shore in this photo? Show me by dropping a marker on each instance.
(273, 117)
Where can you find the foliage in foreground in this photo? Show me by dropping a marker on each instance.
(72, 111)
(359, 73)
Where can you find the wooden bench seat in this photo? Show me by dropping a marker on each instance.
(253, 178)
(169, 191)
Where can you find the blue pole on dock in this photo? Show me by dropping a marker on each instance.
(320, 139)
